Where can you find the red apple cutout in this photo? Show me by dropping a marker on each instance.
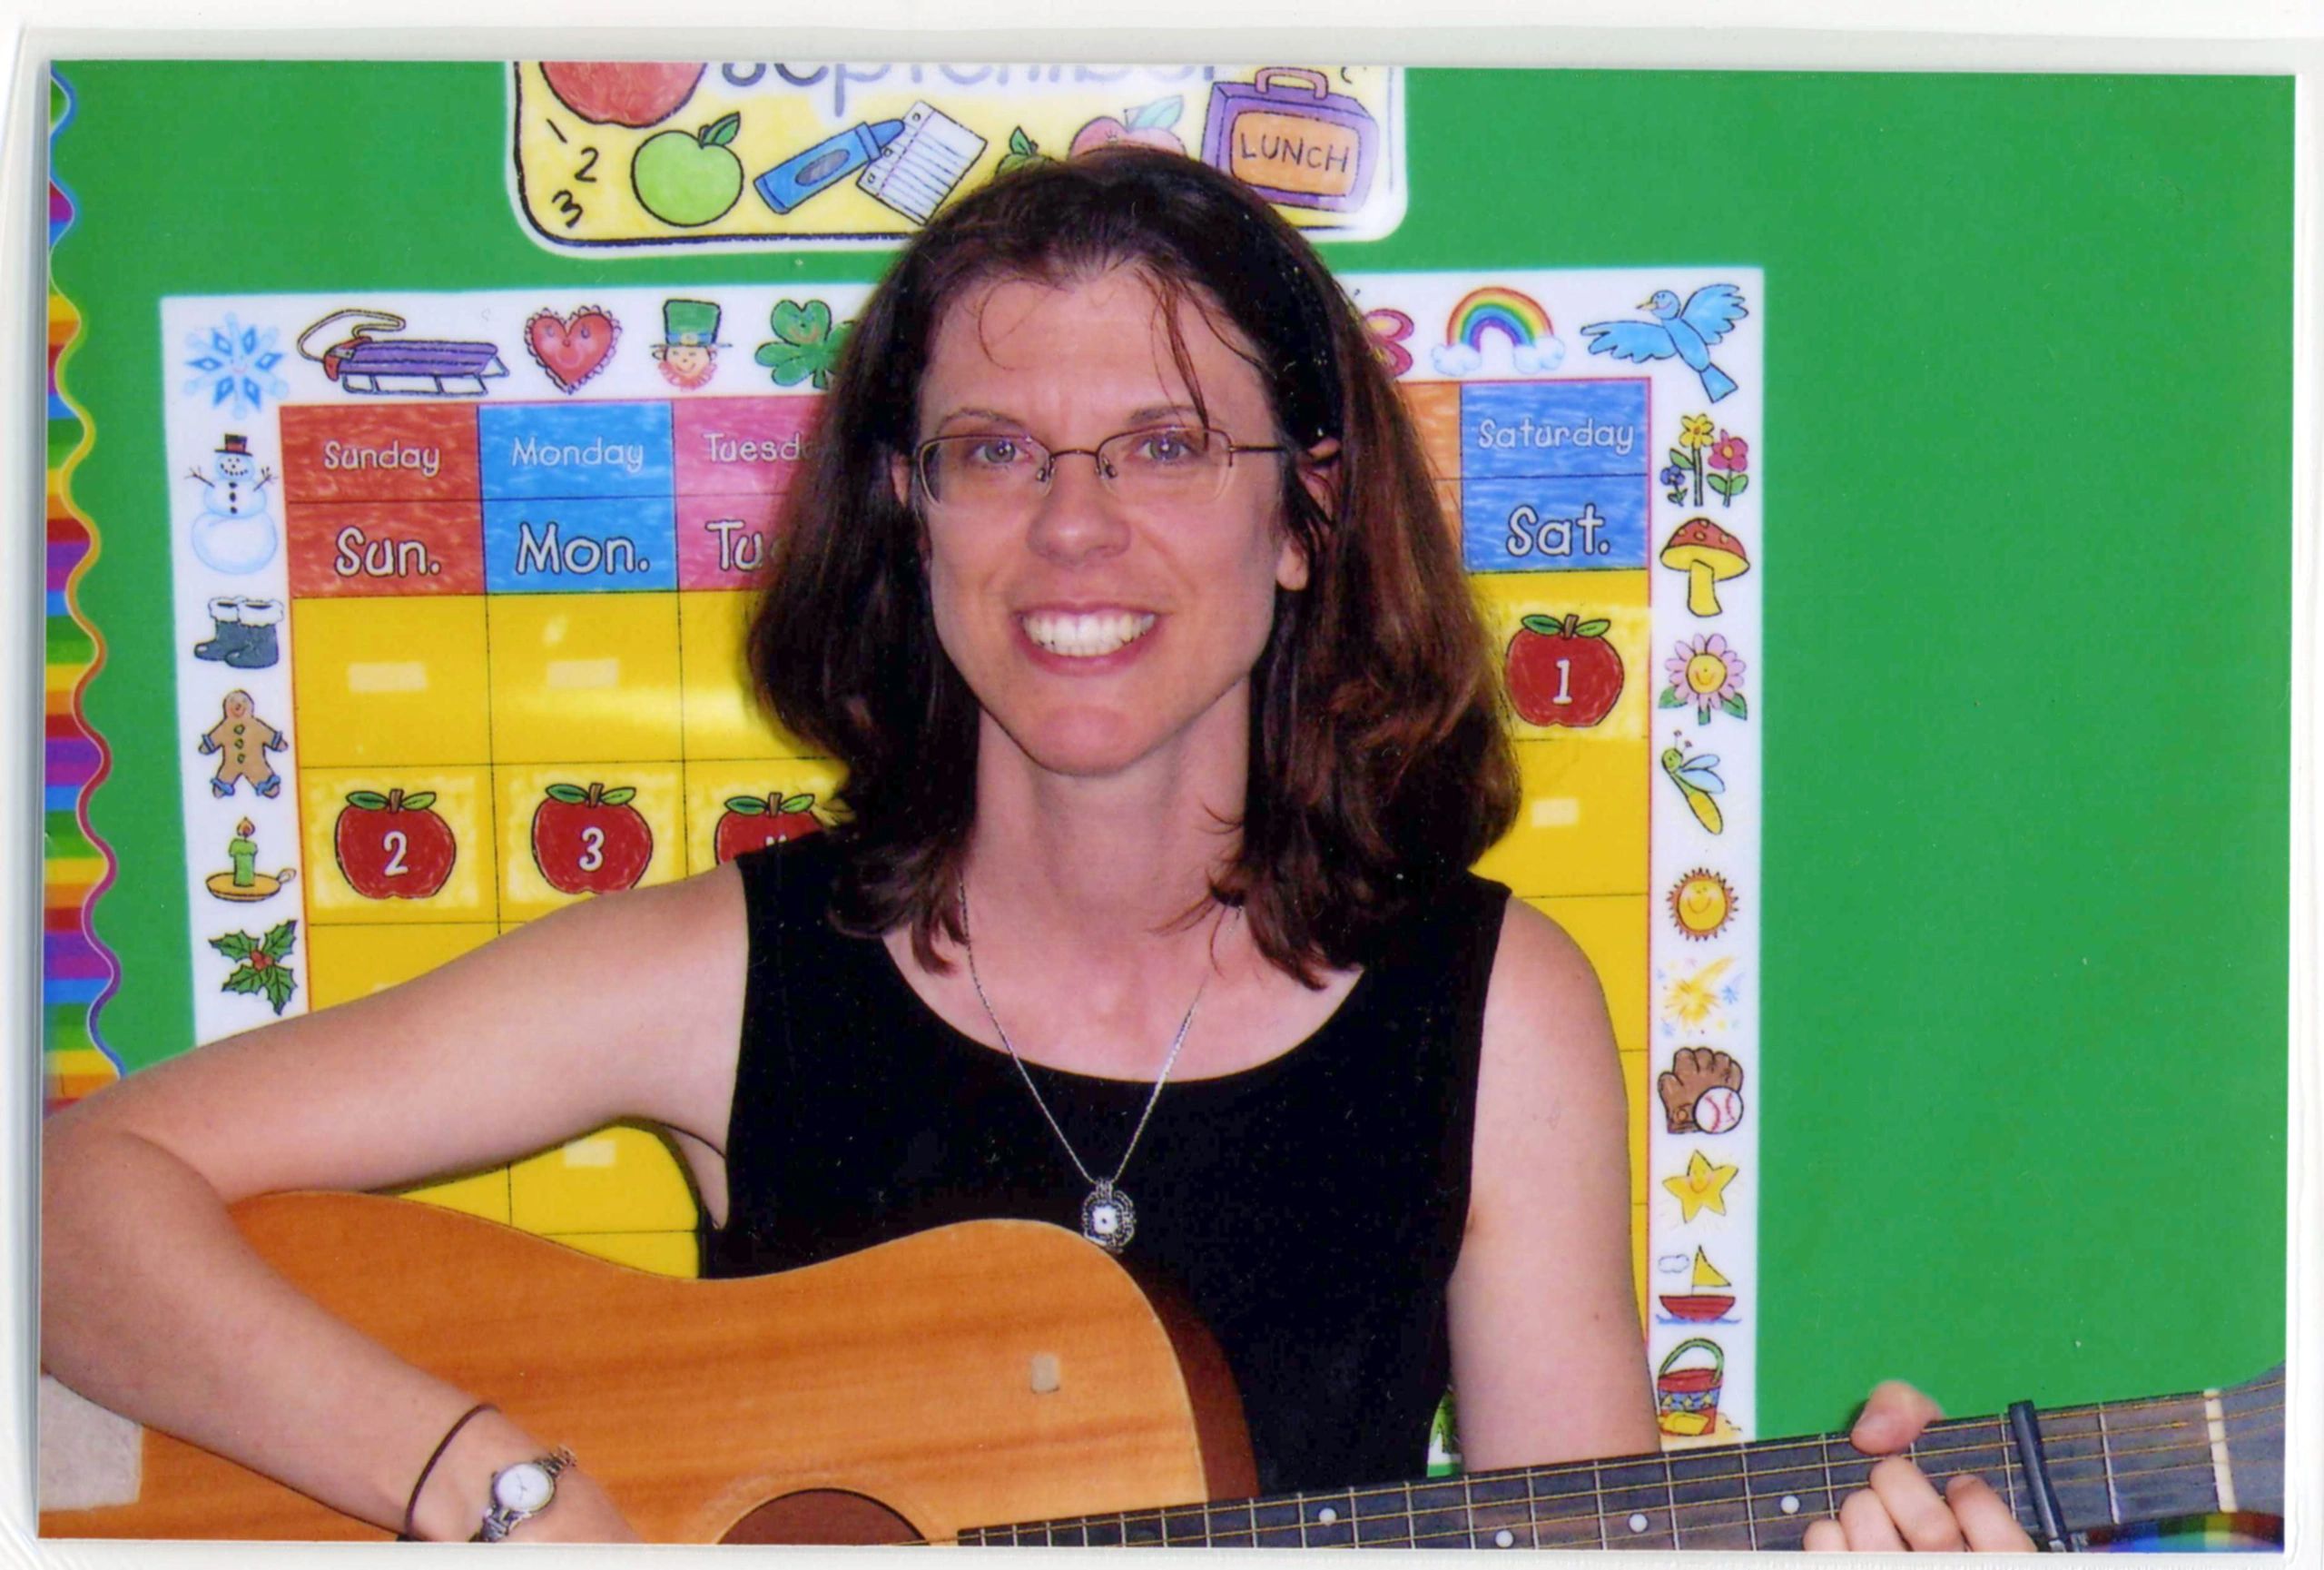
(391, 847)
(591, 842)
(634, 92)
(1564, 672)
(752, 822)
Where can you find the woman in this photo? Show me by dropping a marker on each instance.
(1118, 586)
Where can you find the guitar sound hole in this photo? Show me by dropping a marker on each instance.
(821, 1515)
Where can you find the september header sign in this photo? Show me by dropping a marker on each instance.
(746, 154)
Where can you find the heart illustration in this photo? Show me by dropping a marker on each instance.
(572, 348)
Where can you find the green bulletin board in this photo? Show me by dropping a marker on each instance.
(2026, 732)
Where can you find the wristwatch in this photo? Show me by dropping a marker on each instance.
(520, 1493)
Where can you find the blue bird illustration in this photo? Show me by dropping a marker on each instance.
(1689, 333)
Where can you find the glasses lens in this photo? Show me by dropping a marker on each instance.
(979, 470)
(1166, 464)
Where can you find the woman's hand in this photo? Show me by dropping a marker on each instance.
(1903, 1509)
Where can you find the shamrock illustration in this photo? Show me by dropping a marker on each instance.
(261, 965)
(806, 345)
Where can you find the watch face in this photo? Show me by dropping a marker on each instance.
(525, 1487)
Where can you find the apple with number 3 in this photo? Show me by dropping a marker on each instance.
(1563, 672)
(591, 842)
(391, 847)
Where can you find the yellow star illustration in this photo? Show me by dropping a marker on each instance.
(1703, 1185)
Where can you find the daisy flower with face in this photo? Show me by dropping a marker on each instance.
(1707, 674)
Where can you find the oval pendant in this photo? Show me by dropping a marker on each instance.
(1107, 1217)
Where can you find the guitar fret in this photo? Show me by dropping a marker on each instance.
(1566, 1507)
(1325, 1520)
(1707, 1510)
(1786, 1470)
(1142, 1530)
(1440, 1514)
(2106, 1454)
(1230, 1526)
(1498, 1510)
(1276, 1524)
(1186, 1524)
(1637, 1504)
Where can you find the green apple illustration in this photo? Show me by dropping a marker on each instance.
(688, 179)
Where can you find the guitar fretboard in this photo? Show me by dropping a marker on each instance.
(2107, 1464)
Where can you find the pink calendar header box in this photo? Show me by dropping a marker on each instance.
(724, 540)
(741, 446)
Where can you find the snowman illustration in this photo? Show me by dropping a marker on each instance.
(234, 533)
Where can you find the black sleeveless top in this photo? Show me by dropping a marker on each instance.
(1310, 1210)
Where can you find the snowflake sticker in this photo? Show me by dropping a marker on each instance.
(237, 366)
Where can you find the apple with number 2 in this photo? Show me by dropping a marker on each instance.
(1563, 672)
(391, 847)
(751, 822)
(591, 842)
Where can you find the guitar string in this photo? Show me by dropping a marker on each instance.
(2064, 1470)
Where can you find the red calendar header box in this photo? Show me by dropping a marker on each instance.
(380, 452)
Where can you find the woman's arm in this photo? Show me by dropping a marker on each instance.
(152, 1305)
(1547, 1352)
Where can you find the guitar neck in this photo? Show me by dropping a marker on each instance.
(2107, 1464)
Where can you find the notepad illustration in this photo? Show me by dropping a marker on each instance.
(922, 167)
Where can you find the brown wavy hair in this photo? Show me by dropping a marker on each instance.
(1380, 763)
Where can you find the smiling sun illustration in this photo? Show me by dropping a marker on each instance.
(1702, 904)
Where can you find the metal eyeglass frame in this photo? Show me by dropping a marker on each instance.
(1106, 474)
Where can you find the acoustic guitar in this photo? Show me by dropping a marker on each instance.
(1005, 1382)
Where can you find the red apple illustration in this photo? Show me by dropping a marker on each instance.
(1147, 122)
(751, 822)
(591, 842)
(635, 92)
(1564, 672)
(391, 847)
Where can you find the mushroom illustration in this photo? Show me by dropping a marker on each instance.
(1708, 556)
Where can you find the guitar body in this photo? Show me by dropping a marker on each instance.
(992, 1371)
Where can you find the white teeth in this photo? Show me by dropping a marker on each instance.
(1085, 637)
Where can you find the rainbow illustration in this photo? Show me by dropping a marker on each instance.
(1518, 317)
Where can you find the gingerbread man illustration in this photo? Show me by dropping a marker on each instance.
(243, 740)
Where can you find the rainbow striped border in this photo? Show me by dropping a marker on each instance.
(2214, 1532)
(78, 972)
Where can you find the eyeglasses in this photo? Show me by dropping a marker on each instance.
(1162, 466)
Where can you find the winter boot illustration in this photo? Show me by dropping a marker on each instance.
(261, 643)
(231, 636)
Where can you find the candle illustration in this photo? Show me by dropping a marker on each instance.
(243, 883)
(243, 851)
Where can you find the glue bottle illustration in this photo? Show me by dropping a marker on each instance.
(825, 164)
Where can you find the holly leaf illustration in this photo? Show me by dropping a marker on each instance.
(279, 941)
(233, 945)
(279, 984)
(244, 979)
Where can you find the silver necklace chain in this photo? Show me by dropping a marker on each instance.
(1107, 1217)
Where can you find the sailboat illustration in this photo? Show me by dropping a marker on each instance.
(1706, 1301)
